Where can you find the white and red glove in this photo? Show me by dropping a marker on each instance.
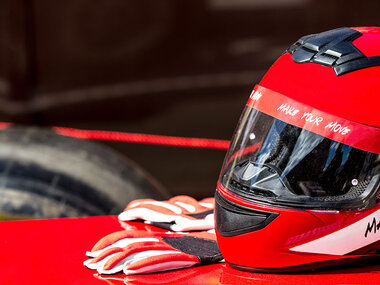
(134, 252)
(180, 213)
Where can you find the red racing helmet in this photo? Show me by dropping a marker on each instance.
(300, 185)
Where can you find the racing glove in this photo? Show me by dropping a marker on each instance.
(180, 213)
(137, 252)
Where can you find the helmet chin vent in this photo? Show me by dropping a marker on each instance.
(232, 219)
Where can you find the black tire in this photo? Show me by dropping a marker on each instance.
(46, 175)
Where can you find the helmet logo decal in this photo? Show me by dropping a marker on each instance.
(334, 49)
(255, 95)
(372, 226)
(288, 109)
(292, 112)
(336, 242)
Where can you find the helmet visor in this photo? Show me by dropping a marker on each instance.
(275, 162)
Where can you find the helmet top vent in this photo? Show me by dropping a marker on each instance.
(334, 49)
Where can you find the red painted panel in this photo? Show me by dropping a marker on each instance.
(52, 252)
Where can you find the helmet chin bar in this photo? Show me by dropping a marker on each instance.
(266, 239)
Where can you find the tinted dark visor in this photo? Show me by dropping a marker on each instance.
(273, 162)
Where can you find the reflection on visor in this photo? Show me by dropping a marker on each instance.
(275, 162)
(259, 178)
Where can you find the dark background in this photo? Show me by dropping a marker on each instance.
(180, 68)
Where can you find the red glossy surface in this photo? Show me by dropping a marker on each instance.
(372, 36)
(52, 252)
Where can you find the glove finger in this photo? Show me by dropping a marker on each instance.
(157, 206)
(122, 243)
(89, 263)
(137, 202)
(207, 203)
(193, 206)
(108, 240)
(189, 204)
(109, 260)
(114, 237)
(182, 224)
(160, 261)
(134, 248)
(147, 214)
(104, 254)
(178, 205)
(126, 261)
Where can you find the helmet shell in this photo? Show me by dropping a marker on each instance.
(337, 72)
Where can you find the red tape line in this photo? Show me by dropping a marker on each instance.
(143, 138)
(137, 138)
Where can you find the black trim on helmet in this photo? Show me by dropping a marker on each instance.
(333, 49)
(232, 219)
(332, 264)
